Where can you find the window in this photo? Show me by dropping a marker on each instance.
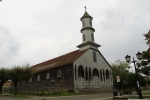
(94, 56)
(30, 79)
(38, 78)
(90, 22)
(84, 37)
(83, 23)
(59, 73)
(92, 37)
(47, 76)
(107, 74)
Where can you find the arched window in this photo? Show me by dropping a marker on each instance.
(90, 22)
(38, 78)
(92, 37)
(59, 73)
(94, 56)
(30, 79)
(90, 74)
(83, 23)
(80, 72)
(47, 76)
(101, 75)
(107, 74)
(84, 39)
(95, 72)
(86, 73)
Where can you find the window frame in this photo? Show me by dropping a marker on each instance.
(38, 77)
(47, 76)
(59, 73)
(94, 57)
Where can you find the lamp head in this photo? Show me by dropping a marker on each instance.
(139, 56)
(127, 58)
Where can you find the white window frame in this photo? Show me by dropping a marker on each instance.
(59, 73)
(47, 76)
(30, 79)
(38, 78)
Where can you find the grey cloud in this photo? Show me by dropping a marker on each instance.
(9, 46)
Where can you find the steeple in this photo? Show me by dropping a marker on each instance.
(87, 33)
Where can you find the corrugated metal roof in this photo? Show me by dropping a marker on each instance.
(58, 61)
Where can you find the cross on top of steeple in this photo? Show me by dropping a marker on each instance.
(85, 8)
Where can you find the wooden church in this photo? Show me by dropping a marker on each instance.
(82, 69)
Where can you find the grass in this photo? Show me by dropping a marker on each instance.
(45, 94)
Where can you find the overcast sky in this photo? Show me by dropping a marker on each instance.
(33, 31)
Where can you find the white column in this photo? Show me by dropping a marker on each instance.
(77, 77)
(102, 78)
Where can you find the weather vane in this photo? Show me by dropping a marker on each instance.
(85, 8)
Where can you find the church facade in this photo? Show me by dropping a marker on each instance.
(82, 69)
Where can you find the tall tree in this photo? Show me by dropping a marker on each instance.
(3, 77)
(147, 38)
(121, 69)
(20, 73)
(144, 65)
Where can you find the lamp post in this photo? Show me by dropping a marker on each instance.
(139, 57)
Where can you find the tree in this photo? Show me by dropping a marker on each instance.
(144, 65)
(120, 68)
(132, 82)
(148, 81)
(147, 37)
(3, 77)
(20, 73)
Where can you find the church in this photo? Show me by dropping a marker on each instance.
(84, 69)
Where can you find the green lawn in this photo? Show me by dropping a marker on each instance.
(27, 95)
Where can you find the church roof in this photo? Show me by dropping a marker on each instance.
(86, 15)
(58, 61)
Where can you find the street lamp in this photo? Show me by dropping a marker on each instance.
(139, 57)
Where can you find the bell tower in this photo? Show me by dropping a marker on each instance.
(87, 33)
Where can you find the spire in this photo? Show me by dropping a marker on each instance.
(87, 33)
(86, 15)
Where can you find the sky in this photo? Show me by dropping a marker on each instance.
(33, 31)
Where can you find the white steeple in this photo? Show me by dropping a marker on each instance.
(87, 33)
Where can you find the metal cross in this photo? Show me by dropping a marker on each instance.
(85, 8)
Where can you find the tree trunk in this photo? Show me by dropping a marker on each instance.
(1, 85)
(15, 88)
(0, 88)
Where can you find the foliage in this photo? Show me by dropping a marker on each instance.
(120, 68)
(147, 37)
(145, 70)
(144, 65)
(148, 81)
(3, 77)
(131, 79)
(20, 73)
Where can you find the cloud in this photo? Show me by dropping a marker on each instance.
(47, 29)
(9, 46)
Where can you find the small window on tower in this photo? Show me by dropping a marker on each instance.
(83, 23)
(92, 37)
(90, 22)
(84, 37)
